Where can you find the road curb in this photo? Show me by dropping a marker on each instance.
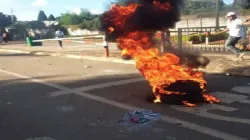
(93, 58)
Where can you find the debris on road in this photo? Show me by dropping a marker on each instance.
(66, 109)
(87, 66)
(228, 74)
(9, 103)
(140, 117)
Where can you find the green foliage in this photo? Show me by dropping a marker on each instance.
(51, 17)
(85, 20)
(200, 38)
(42, 16)
(69, 19)
(194, 7)
(174, 38)
(24, 26)
(244, 4)
(21, 28)
(6, 20)
(36, 25)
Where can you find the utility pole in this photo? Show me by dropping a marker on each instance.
(217, 13)
(12, 16)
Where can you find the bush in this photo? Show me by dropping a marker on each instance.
(197, 38)
(201, 38)
(217, 37)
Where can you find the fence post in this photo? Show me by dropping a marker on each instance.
(180, 38)
(166, 44)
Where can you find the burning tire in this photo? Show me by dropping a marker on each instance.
(190, 92)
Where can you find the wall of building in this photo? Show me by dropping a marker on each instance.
(202, 22)
(80, 32)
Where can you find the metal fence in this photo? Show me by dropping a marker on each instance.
(201, 39)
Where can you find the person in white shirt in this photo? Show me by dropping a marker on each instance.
(235, 27)
(59, 34)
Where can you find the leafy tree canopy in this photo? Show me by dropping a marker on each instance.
(6, 20)
(51, 17)
(42, 16)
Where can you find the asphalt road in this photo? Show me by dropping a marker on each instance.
(53, 98)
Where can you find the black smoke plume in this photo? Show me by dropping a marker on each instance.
(147, 17)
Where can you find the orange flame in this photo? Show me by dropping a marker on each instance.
(111, 29)
(123, 12)
(188, 104)
(165, 6)
(210, 98)
(157, 69)
(157, 99)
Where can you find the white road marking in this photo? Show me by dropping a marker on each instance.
(98, 86)
(15, 51)
(111, 71)
(229, 98)
(35, 80)
(225, 98)
(40, 138)
(83, 42)
(167, 119)
(245, 90)
(202, 111)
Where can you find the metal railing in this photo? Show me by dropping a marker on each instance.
(201, 39)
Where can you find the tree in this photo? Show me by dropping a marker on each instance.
(85, 20)
(199, 6)
(74, 19)
(51, 18)
(6, 20)
(245, 4)
(85, 15)
(42, 16)
(69, 19)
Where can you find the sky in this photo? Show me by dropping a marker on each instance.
(28, 9)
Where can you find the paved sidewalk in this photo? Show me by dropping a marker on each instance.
(227, 64)
(221, 63)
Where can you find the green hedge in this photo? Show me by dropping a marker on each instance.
(201, 38)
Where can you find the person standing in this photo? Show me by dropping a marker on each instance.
(5, 37)
(235, 27)
(59, 35)
(1, 39)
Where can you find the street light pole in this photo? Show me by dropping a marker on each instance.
(12, 16)
(217, 14)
